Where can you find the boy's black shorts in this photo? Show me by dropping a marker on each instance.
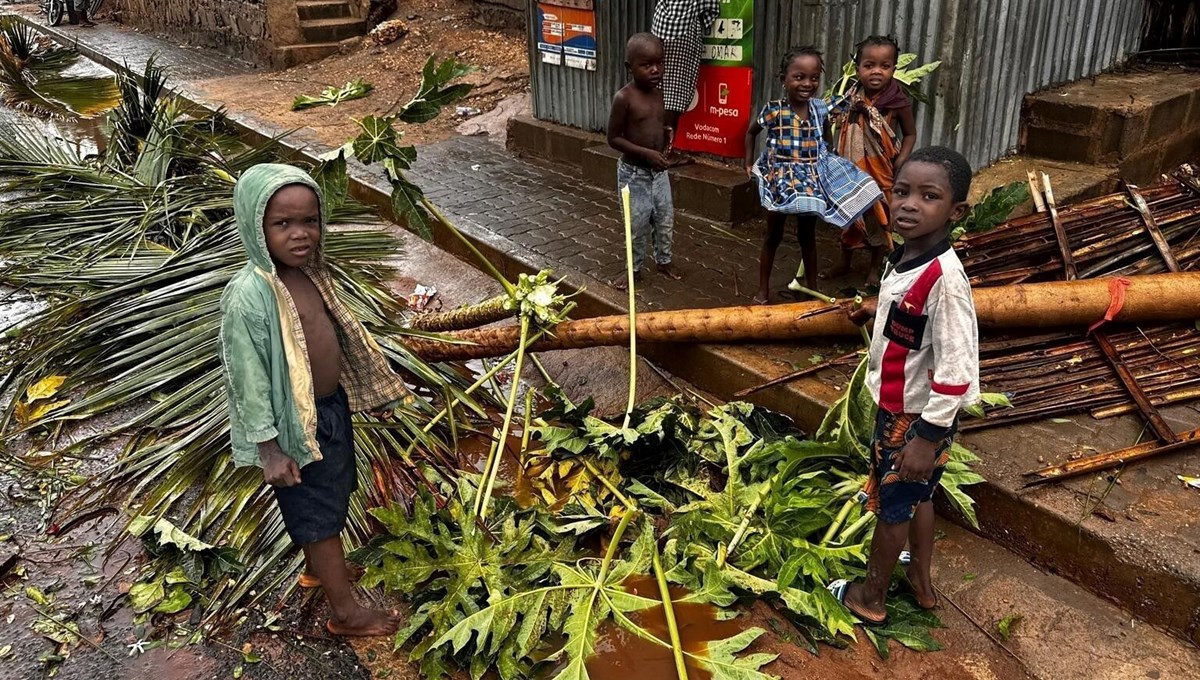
(315, 509)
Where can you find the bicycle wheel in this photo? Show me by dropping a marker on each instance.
(55, 9)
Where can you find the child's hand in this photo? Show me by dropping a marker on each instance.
(750, 170)
(914, 463)
(657, 160)
(864, 313)
(381, 414)
(278, 468)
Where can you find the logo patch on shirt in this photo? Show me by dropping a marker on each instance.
(905, 328)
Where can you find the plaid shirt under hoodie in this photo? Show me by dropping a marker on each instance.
(681, 18)
(925, 349)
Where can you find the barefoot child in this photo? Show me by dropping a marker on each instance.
(636, 129)
(796, 173)
(923, 368)
(866, 119)
(296, 363)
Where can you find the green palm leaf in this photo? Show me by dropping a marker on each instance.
(131, 254)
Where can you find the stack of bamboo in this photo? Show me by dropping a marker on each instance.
(1049, 375)
(1108, 236)
(1134, 232)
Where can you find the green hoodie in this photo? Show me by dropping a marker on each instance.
(268, 379)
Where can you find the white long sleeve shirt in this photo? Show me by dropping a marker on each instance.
(925, 348)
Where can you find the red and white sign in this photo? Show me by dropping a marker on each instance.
(721, 112)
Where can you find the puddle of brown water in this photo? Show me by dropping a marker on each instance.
(473, 452)
(622, 655)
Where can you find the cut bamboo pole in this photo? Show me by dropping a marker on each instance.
(1064, 245)
(1161, 297)
(1111, 459)
(1161, 430)
(1160, 242)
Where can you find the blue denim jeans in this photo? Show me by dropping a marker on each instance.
(651, 208)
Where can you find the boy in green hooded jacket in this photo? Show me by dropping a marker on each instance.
(296, 364)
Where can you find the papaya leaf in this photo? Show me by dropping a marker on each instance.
(722, 662)
(994, 209)
(377, 141)
(331, 175)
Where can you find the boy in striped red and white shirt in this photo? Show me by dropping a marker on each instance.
(924, 368)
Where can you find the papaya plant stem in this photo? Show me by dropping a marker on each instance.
(858, 301)
(525, 430)
(672, 627)
(477, 507)
(625, 203)
(852, 530)
(612, 546)
(480, 382)
(839, 520)
(508, 414)
(487, 265)
(738, 535)
(607, 483)
(815, 294)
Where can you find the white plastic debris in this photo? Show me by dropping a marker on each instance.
(421, 296)
(466, 111)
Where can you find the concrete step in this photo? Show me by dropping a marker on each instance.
(1142, 122)
(697, 188)
(309, 10)
(332, 30)
(1064, 632)
(700, 189)
(1132, 542)
(291, 55)
(1071, 181)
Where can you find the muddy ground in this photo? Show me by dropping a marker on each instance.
(439, 27)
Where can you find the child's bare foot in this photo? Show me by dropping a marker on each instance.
(665, 270)
(622, 282)
(309, 580)
(363, 622)
(839, 270)
(922, 588)
(870, 614)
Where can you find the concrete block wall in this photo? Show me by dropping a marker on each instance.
(500, 13)
(246, 29)
(1141, 123)
(264, 32)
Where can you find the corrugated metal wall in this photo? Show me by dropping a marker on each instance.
(992, 51)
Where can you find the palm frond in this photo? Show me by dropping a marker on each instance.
(132, 254)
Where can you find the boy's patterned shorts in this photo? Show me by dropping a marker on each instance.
(893, 500)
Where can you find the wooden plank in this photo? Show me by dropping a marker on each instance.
(1036, 192)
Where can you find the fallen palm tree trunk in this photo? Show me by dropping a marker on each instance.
(1162, 297)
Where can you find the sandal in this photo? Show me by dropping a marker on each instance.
(838, 589)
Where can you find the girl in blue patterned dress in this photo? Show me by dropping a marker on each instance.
(797, 175)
